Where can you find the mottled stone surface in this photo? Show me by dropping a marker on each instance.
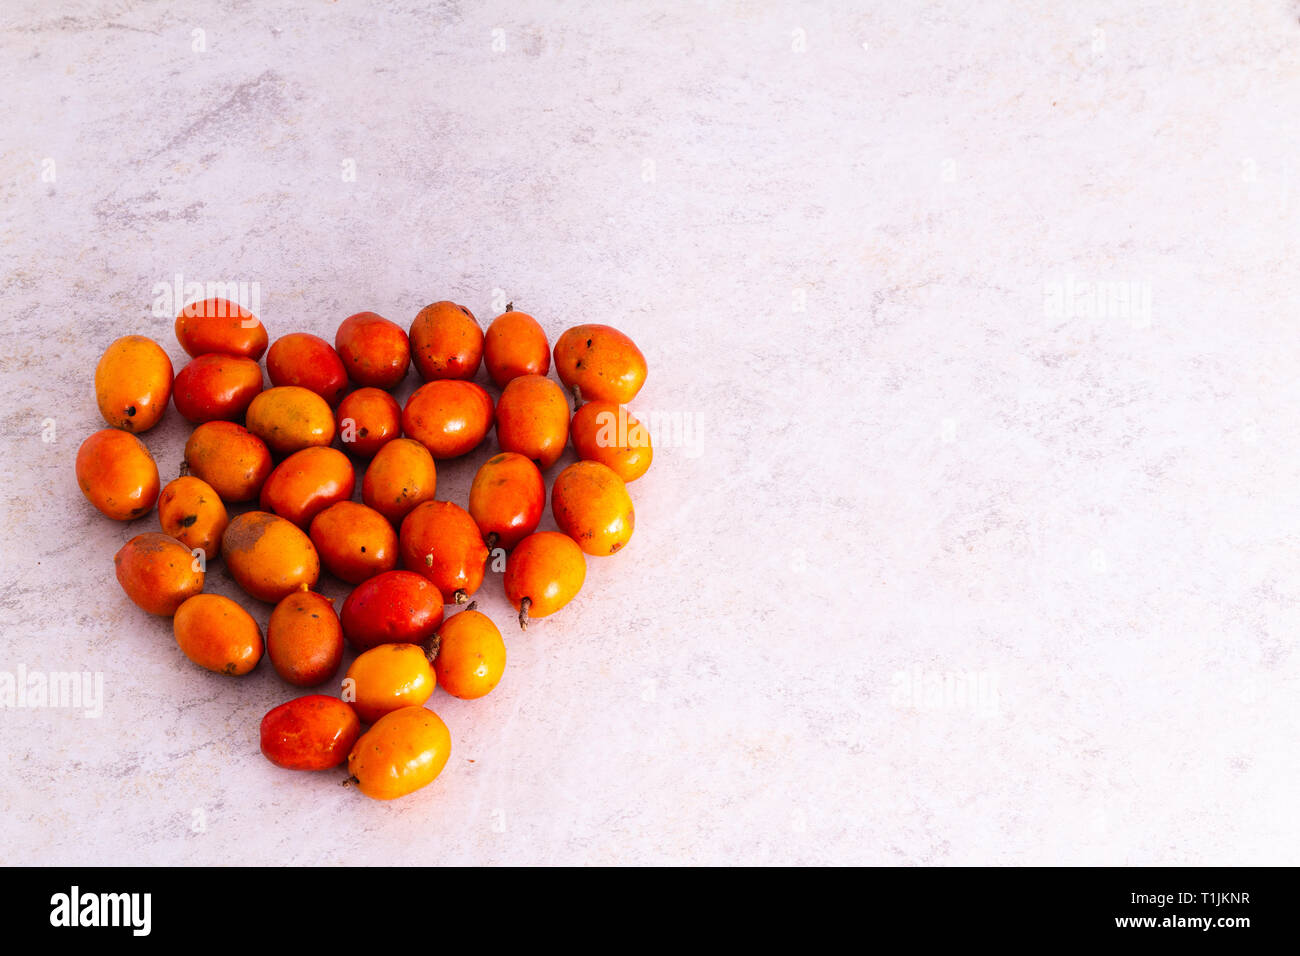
(958, 561)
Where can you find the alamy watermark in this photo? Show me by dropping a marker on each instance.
(681, 430)
(1128, 300)
(973, 691)
(67, 690)
(74, 908)
(208, 299)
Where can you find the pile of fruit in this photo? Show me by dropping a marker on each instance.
(294, 449)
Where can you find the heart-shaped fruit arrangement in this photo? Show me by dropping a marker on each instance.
(295, 450)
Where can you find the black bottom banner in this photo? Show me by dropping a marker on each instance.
(336, 907)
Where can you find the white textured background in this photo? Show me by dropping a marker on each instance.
(923, 475)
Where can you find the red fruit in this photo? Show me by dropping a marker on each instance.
(309, 362)
(369, 418)
(591, 505)
(402, 476)
(544, 573)
(308, 482)
(396, 607)
(533, 419)
(375, 351)
(515, 345)
(315, 732)
(216, 387)
(446, 342)
(304, 639)
(440, 541)
(219, 325)
(607, 433)
(230, 458)
(354, 542)
(507, 499)
(600, 363)
(449, 417)
(117, 474)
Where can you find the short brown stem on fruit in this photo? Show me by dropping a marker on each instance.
(432, 648)
(349, 781)
(491, 542)
(185, 468)
(510, 306)
(577, 397)
(460, 596)
(524, 605)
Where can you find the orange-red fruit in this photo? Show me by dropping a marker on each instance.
(446, 342)
(133, 381)
(515, 345)
(191, 511)
(449, 417)
(230, 458)
(591, 505)
(401, 476)
(219, 325)
(354, 542)
(368, 418)
(546, 570)
(533, 419)
(268, 556)
(307, 360)
(158, 573)
(401, 753)
(218, 634)
(471, 655)
(601, 362)
(389, 677)
(304, 639)
(315, 732)
(507, 499)
(117, 474)
(289, 418)
(308, 482)
(607, 433)
(396, 607)
(375, 351)
(216, 387)
(440, 541)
